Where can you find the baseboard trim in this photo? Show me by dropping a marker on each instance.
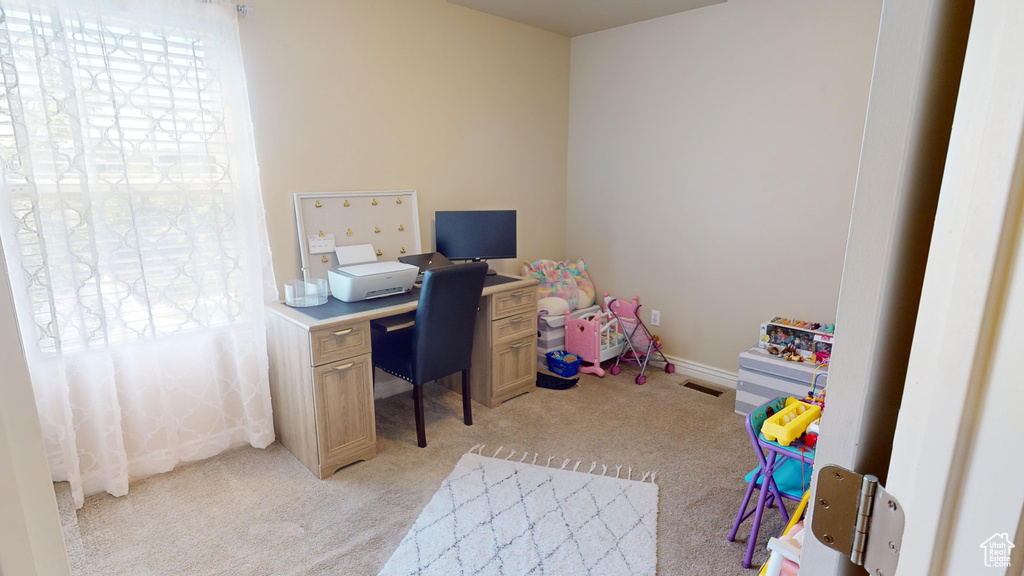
(704, 372)
(388, 385)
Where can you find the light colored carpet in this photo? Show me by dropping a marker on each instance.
(252, 511)
(513, 517)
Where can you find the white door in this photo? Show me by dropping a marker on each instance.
(957, 455)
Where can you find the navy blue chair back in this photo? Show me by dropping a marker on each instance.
(443, 333)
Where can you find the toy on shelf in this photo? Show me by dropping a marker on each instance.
(640, 343)
(797, 340)
(812, 396)
(791, 422)
(593, 338)
(811, 435)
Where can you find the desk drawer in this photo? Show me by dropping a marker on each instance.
(340, 342)
(513, 327)
(504, 304)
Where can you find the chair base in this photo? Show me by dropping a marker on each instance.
(417, 400)
(467, 402)
(421, 431)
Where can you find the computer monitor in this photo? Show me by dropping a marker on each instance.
(476, 234)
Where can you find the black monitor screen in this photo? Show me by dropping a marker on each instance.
(475, 235)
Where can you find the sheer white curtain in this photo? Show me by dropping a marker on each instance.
(134, 231)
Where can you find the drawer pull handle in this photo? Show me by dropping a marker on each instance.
(514, 346)
(517, 321)
(341, 332)
(516, 294)
(345, 366)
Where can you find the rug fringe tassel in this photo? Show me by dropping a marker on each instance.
(647, 476)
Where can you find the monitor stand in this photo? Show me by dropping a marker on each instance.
(490, 271)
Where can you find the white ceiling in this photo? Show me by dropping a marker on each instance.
(576, 17)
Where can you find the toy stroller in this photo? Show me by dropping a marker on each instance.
(640, 343)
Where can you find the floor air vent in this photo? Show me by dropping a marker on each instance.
(701, 388)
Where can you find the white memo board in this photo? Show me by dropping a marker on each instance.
(388, 219)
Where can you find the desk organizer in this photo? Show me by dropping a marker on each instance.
(791, 422)
(301, 294)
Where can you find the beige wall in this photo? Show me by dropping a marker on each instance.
(712, 160)
(468, 109)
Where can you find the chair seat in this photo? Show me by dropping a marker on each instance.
(790, 477)
(392, 352)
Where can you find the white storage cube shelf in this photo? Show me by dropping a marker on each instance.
(763, 377)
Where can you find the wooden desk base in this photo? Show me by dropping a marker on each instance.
(321, 372)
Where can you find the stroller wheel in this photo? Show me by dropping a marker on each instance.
(615, 370)
(641, 379)
(670, 368)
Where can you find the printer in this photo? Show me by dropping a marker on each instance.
(360, 276)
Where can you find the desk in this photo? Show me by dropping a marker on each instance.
(321, 372)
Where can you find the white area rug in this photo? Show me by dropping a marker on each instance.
(516, 514)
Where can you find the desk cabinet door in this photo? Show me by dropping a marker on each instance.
(343, 396)
(515, 362)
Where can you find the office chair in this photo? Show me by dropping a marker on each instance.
(440, 342)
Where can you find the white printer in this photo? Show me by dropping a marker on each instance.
(360, 276)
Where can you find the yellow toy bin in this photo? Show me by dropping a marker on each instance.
(790, 422)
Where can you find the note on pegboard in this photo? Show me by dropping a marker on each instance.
(389, 220)
(321, 243)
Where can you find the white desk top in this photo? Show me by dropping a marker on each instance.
(382, 307)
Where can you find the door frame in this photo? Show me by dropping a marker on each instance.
(926, 409)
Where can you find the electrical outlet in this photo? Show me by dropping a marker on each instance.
(655, 317)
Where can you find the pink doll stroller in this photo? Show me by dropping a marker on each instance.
(640, 343)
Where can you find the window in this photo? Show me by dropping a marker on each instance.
(119, 180)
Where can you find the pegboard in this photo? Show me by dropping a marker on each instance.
(387, 219)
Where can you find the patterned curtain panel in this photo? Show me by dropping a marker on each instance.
(133, 226)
